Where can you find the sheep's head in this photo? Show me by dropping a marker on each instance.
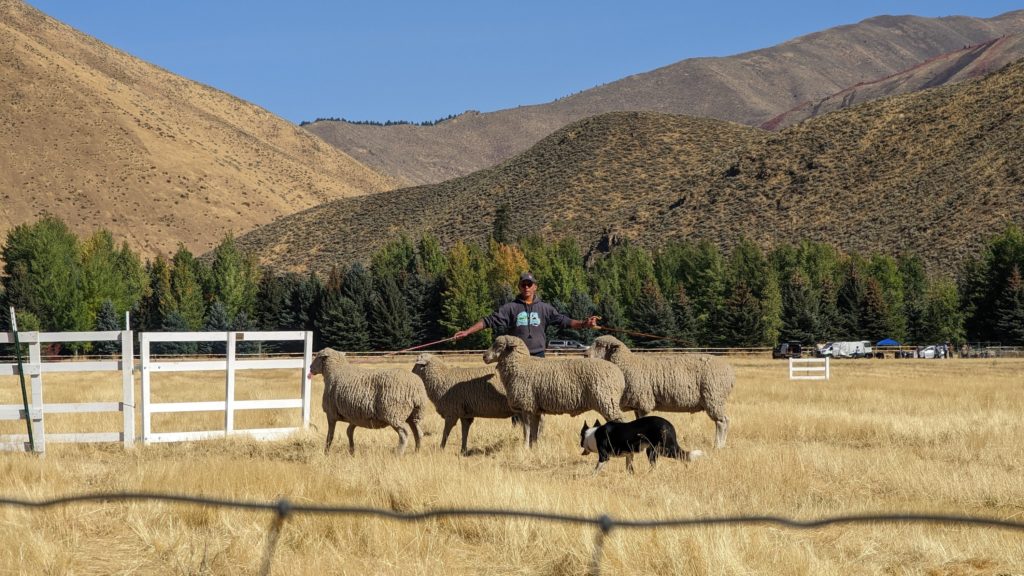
(604, 347)
(421, 363)
(503, 346)
(317, 366)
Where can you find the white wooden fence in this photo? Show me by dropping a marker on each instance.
(809, 368)
(230, 365)
(35, 368)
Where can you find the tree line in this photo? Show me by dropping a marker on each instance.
(413, 291)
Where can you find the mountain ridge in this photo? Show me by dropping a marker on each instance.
(102, 139)
(933, 172)
(751, 88)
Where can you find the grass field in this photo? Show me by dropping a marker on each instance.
(921, 436)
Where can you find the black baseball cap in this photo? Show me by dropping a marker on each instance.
(526, 277)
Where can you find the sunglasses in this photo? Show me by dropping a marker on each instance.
(527, 283)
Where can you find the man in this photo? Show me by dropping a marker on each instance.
(527, 317)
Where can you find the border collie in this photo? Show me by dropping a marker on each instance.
(626, 438)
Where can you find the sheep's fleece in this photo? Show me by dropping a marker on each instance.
(370, 398)
(672, 383)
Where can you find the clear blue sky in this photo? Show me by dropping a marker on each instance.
(420, 60)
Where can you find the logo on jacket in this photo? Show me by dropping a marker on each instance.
(527, 319)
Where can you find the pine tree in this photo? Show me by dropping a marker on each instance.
(342, 324)
(742, 318)
(1010, 310)
(186, 291)
(501, 231)
(217, 319)
(915, 285)
(652, 314)
(107, 320)
(942, 319)
(233, 279)
(800, 316)
(392, 328)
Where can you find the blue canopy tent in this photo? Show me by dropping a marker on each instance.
(887, 342)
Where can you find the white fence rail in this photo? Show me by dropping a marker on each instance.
(35, 368)
(230, 365)
(809, 368)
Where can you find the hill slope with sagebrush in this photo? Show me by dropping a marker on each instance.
(750, 88)
(101, 139)
(935, 173)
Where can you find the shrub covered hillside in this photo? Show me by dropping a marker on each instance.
(933, 173)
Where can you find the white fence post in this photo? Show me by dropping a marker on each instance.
(307, 383)
(147, 416)
(35, 359)
(809, 368)
(229, 392)
(128, 386)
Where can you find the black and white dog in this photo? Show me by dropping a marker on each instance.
(626, 438)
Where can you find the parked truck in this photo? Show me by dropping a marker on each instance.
(852, 349)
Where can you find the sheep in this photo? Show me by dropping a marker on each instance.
(570, 386)
(369, 398)
(685, 383)
(462, 393)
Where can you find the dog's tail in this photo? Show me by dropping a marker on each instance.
(674, 450)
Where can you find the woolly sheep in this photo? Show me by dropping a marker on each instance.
(570, 386)
(371, 398)
(683, 383)
(462, 393)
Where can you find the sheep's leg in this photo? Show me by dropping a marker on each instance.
(351, 439)
(416, 436)
(449, 423)
(330, 434)
(403, 438)
(524, 421)
(721, 429)
(534, 429)
(466, 423)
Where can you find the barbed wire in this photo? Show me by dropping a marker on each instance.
(284, 509)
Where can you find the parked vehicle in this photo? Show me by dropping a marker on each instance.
(566, 345)
(788, 350)
(851, 349)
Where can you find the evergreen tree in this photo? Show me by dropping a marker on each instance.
(687, 329)
(874, 314)
(743, 320)
(392, 328)
(107, 320)
(749, 267)
(915, 285)
(850, 302)
(652, 314)
(800, 316)
(342, 324)
(580, 305)
(217, 319)
(275, 296)
(1009, 310)
(985, 281)
(173, 322)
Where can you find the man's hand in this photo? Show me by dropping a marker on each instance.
(591, 322)
(461, 334)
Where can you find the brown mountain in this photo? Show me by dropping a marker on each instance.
(749, 88)
(99, 138)
(934, 172)
(957, 66)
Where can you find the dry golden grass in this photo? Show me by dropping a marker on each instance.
(882, 436)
